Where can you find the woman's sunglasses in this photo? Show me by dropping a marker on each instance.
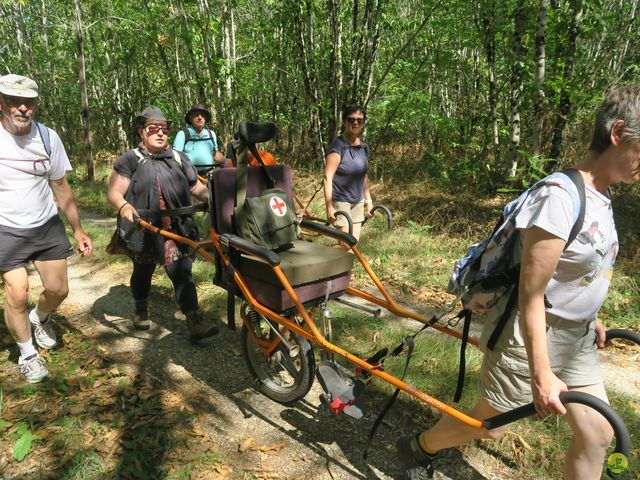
(155, 129)
(355, 121)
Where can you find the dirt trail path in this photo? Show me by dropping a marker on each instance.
(301, 441)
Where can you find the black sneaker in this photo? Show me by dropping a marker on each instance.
(415, 460)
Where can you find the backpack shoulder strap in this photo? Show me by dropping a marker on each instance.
(43, 131)
(177, 157)
(576, 178)
(140, 155)
(211, 139)
(187, 134)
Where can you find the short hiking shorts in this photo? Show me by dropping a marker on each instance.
(19, 246)
(355, 210)
(505, 380)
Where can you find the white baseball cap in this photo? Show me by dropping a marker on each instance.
(18, 86)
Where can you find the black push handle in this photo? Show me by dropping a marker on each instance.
(272, 258)
(332, 232)
(623, 441)
(623, 335)
(348, 217)
(387, 212)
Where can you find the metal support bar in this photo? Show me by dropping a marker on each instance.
(373, 311)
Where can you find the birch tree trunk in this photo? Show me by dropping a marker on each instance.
(541, 62)
(619, 60)
(517, 68)
(304, 39)
(333, 6)
(228, 52)
(83, 92)
(208, 47)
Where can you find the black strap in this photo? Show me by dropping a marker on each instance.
(502, 321)
(242, 173)
(577, 179)
(173, 212)
(256, 154)
(466, 314)
(188, 138)
(409, 342)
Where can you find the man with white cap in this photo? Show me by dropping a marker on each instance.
(33, 166)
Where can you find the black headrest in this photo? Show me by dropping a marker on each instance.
(251, 133)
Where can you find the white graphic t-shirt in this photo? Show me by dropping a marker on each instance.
(26, 199)
(581, 280)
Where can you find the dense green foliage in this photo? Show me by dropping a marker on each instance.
(438, 77)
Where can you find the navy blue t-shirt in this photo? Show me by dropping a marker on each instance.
(348, 182)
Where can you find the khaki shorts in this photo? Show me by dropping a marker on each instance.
(355, 210)
(505, 380)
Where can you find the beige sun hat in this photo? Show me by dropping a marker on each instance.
(18, 86)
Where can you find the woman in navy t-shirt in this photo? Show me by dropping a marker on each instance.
(346, 186)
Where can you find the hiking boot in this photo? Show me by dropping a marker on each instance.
(416, 461)
(43, 330)
(141, 317)
(198, 328)
(33, 368)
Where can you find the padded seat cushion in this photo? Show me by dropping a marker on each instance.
(303, 263)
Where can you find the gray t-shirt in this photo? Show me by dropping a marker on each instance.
(581, 280)
(348, 182)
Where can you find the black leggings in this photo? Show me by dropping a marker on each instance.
(179, 273)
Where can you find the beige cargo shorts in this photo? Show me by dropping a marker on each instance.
(505, 380)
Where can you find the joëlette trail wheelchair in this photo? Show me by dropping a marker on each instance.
(280, 292)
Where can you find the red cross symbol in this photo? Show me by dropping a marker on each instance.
(278, 206)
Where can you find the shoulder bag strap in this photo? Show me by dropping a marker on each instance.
(43, 131)
(575, 176)
(263, 167)
(241, 180)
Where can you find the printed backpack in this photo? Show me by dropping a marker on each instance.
(486, 278)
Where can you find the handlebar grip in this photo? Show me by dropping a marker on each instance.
(329, 231)
(348, 217)
(387, 212)
(272, 258)
(623, 440)
(623, 335)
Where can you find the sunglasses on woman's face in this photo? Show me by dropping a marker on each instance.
(155, 129)
(355, 121)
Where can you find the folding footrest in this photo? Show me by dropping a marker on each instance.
(342, 395)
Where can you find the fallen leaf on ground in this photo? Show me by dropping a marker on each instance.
(268, 448)
(246, 443)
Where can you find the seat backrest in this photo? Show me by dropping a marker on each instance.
(224, 190)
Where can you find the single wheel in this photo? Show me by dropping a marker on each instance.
(283, 370)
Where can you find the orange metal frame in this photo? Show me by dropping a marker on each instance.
(307, 327)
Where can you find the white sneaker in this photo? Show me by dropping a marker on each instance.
(43, 330)
(33, 369)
